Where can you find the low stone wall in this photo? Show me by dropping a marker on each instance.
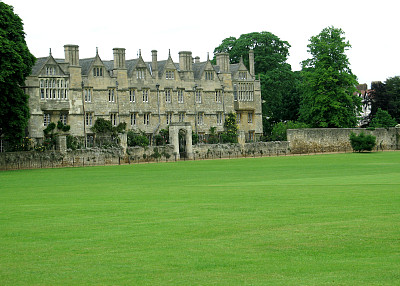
(55, 159)
(317, 140)
(259, 149)
(114, 156)
(150, 154)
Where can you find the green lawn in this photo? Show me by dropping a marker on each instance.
(303, 220)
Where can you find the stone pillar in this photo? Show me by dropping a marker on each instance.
(174, 139)
(398, 137)
(241, 137)
(123, 139)
(62, 143)
(189, 147)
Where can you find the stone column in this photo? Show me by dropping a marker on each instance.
(189, 147)
(62, 143)
(123, 139)
(174, 139)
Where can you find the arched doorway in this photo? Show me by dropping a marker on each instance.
(180, 136)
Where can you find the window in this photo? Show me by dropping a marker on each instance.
(169, 117)
(113, 119)
(181, 116)
(219, 118)
(246, 91)
(50, 70)
(200, 118)
(97, 71)
(198, 96)
(89, 140)
(145, 95)
(88, 95)
(180, 95)
(251, 136)
(46, 119)
(141, 73)
(133, 119)
(52, 88)
(132, 95)
(218, 96)
(250, 117)
(89, 118)
(169, 74)
(146, 118)
(111, 96)
(209, 75)
(63, 118)
(242, 75)
(168, 95)
(238, 118)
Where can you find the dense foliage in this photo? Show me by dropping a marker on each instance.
(329, 98)
(383, 119)
(230, 135)
(279, 130)
(15, 65)
(137, 139)
(362, 142)
(386, 96)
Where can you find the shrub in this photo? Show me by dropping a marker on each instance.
(362, 142)
(137, 139)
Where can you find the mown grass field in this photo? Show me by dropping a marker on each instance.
(304, 220)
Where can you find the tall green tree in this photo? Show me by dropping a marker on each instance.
(329, 98)
(279, 85)
(386, 96)
(15, 65)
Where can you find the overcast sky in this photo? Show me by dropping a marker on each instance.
(371, 27)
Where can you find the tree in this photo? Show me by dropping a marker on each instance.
(231, 128)
(382, 119)
(329, 98)
(279, 130)
(386, 96)
(279, 85)
(15, 65)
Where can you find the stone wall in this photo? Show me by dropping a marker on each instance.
(317, 140)
(55, 159)
(133, 155)
(257, 149)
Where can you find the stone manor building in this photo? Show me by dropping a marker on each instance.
(148, 96)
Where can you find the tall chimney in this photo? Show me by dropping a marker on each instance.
(154, 65)
(223, 62)
(251, 62)
(72, 54)
(119, 58)
(185, 61)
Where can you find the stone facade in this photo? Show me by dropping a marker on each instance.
(148, 96)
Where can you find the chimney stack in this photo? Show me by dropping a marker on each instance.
(185, 61)
(72, 54)
(223, 62)
(251, 62)
(119, 58)
(154, 65)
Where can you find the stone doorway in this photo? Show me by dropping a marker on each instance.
(180, 136)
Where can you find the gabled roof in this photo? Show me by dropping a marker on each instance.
(41, 62)
(86, 64)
